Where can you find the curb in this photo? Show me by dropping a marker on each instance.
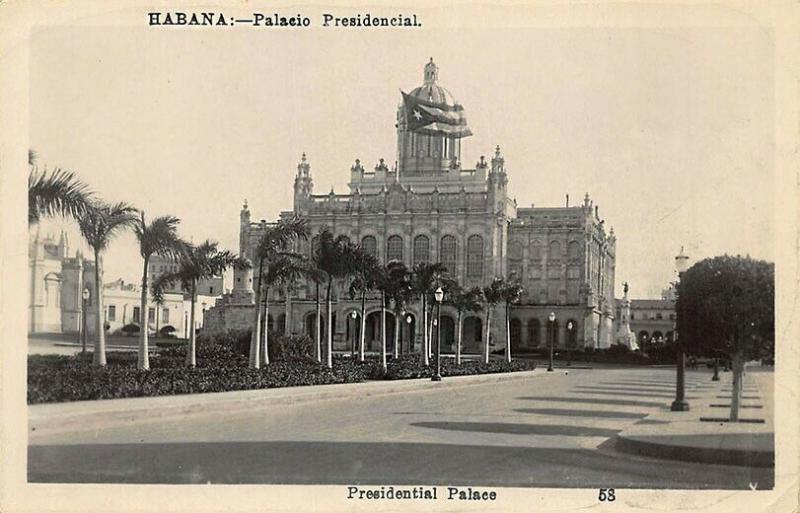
(743, 458)
(57, 417)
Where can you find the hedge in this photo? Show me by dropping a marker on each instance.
(221, 366)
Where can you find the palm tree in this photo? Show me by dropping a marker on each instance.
(335, 256)
(57, 193)
(492, 294)
(195, 263)
(284, 269)
(510, 294)
(365, 272)
(271, 245)
(424, 277)
(99, 224)
(464, 301)
(159, 237)
(400, 292)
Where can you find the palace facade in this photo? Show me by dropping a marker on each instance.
(430, 207)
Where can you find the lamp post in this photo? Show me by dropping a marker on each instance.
(680, 404)
(552, 320)
(353, 316)
(410, 335)
(85, 296)
(570, 327)
(438, 295)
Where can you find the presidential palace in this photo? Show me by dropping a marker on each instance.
(430, 207)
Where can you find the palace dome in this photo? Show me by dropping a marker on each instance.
(431, 91)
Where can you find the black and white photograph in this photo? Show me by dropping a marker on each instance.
(530, 256)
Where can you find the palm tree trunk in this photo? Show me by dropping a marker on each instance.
(425, 354)
(265, 345)
(255, 336)
(431, 320)
(396, 348)
(363, 334)
(458, 341)
(508, 334)
(383, 330)
(488, 331)
(736, 387)
(328, 327)
(144, 351)
(99, 356)
(191, 358)
(317, 336)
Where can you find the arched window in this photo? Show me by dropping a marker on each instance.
(475, 257)
(515, 333)
(515, 259)
(422, 249)
(370, 245)
(554, 250)
(314, 246)
(394, 248)
(573, 250)
(536, 250)
(447, 253)
(534, 329)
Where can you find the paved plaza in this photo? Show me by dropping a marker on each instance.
(548, 430)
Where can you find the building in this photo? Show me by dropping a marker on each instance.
(57, 282)
(653, 320)
(210, 288)
(430, 207)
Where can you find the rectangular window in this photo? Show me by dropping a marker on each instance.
(151, 314)
(210, 291)
(165, 316)
(112, 313)
(136, 312)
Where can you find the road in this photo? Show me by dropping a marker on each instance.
(553, 430)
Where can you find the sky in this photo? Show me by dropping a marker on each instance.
(670, 131)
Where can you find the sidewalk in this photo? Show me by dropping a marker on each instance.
(79, 415)
(684, 436)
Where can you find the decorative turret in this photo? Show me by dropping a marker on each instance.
(244, 229)
(63, 245)
(303, 184)
(243, 283)
(496, 183)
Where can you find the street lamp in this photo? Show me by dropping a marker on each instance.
(438, 295)
(85, 296)
(552, 319)
(680, 404)
(353, 316)
(570, 327)
(410, 335)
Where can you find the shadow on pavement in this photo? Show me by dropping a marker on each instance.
(508, 428)
(583, 413)
(622, 391)
(361, 463)
(588, 400)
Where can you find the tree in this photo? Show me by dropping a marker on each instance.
(99, 223)
(59, 192)
(159, 237)
(335, 257)
(423, 279)
(285, 268)
(492, 294)
(271, 245)
(365, 269)
(464, 301)
(195, 263)
(510, 293)
(399, 291)
(726, 305)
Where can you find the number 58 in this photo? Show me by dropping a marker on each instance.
(606, 495)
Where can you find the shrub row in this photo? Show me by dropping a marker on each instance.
(222, 366)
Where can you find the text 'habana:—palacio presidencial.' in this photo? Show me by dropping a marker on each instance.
(276, 20)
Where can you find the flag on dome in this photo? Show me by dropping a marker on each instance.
(429, 118)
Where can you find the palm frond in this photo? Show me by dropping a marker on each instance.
(57, 193)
